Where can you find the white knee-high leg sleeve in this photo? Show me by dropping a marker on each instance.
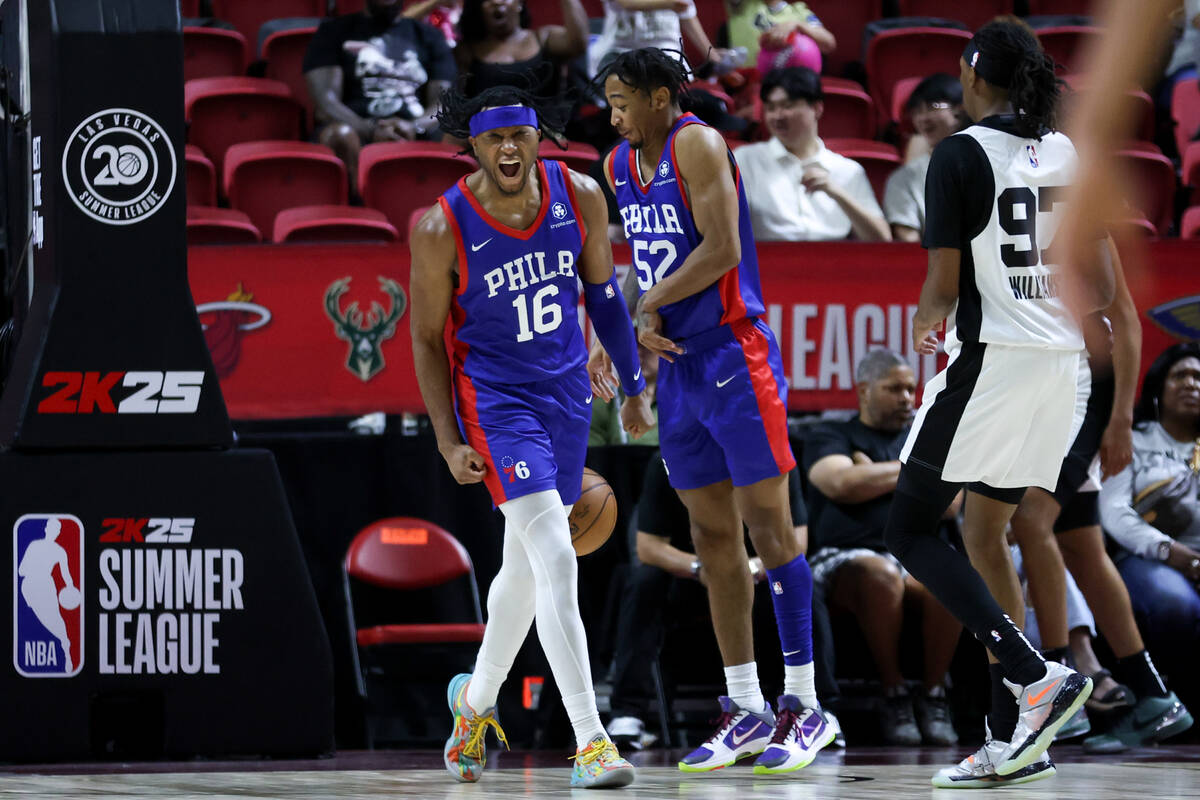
(541, 521)
(511, 606)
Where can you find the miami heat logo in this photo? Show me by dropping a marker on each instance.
(367, 332)
(225, 322)
(119, 166)
(48, 595)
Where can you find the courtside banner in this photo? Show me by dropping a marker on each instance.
(322, 330)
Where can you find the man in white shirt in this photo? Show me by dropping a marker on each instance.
(798, 190)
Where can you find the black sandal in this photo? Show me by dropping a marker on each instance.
(1115, 699)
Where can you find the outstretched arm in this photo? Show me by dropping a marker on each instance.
(568, 40)
(434, 255)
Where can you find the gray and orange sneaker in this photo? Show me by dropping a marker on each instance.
(1043, 707)
(600, 766)
(464, 754)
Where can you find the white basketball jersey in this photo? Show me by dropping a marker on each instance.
(1012, 297)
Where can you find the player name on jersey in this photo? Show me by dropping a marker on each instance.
(1034, 287)
(650, 218)
(529, 270)
(175, 594)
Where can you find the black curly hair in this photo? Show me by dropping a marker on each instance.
(456, 109)
(1034, 89)
(1147, 408)
(647, 69)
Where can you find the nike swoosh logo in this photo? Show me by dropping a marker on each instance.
(807, 741)
(727, 380)
(637, 374)
(589, 400)
(737, 741)
(620, 183)
(1034, 699)
(475, 248)
(792, 653)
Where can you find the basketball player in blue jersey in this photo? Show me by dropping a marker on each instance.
(501, 256)
(722, 399)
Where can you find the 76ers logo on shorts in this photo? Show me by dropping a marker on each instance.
(48, 595)
(119, 166)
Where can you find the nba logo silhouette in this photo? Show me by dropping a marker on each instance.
(48, 595)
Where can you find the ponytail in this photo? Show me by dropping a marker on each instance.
(1013, 51)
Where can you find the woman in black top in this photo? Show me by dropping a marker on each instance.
(498, 47)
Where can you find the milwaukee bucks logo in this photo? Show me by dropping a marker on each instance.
(365, 331)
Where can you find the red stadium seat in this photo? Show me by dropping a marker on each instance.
(263, 178)
(1185, 111)
(546, 13)
(973, 13)
(845, 19)
(212, 52)
(849, 112)
(578, 156)
(284, 53)
(189, 8)
(385, 561)
(1143, 110)
(1067, 43)
(900, 94)
(248, 15)
(225, 111)
(1191, 170)
(200, 176)
(1189, 228)
(910, 53)
(1153, 176)
(207, 225)
(330, 223)
(1077, 7)
(396, 179)
(879, 159)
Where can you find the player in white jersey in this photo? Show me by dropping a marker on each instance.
(998, 418)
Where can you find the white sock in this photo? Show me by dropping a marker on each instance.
(581, 710)
(741, 683)
(798, 681)
(510, 605)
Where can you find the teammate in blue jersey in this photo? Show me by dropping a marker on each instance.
(722, 399)
(501, 256)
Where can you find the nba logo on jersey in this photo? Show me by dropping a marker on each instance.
(48, 595)
(1033, 162)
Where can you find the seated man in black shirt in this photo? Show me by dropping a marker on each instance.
(852, 469)
(375, 76)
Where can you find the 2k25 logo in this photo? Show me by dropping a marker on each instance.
(48, 595)
(91, 392)
(150, 530)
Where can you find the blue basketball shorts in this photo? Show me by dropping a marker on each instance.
(532, 436)
(722, 408)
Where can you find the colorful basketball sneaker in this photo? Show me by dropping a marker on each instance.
(1151, 719)
(464, 754)
(740, 733)
(600, 766)
(978, 771)
(799, 734)
(1042, 707)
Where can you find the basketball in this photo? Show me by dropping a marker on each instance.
(69, 598)
(594, 514)
(800, 51)
(129, 164)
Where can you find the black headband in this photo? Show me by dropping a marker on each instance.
(995, 68)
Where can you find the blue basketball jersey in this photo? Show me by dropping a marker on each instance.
(515, 311)
(662, 232)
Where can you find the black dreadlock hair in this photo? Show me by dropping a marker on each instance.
(1034, 88)
(456, 109)
(1147, 408)
(472, 28)
(647, 69)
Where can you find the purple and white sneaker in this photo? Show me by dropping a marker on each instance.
(740, 733)
(800, 732)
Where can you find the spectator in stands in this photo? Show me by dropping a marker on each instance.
(852, 470)
(498, 46)
(773, 21)
(664, 551)
(936, 110)
(631, 24)
(375, 76)
(797, 189)
(1152, 508)
(441, 14)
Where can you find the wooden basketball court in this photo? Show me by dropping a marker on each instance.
(892, 773)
